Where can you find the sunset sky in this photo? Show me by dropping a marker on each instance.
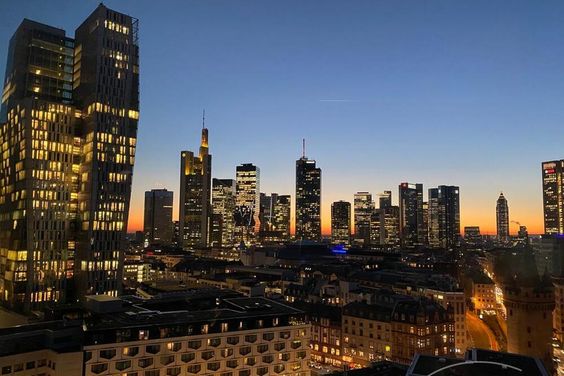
(434, 92)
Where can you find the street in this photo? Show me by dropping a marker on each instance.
(481, 334)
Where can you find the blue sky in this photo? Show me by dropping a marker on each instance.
(438, 92)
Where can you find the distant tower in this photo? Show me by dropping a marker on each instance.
(553, 196)
(412, 231)
(529, 301)
(363, 210)
(195, 195)
(308, 199)
(247, 204)
(502, 219)
(157, 220)
(444, 217)
(341, 222)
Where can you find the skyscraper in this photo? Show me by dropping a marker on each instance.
(502, 218)
(223, 203)
(444, 217)
(341, 222)
(389, 226)
(434, 220)
(385, 199)
(68, 136)
(157, 219)
(195, 195)
(247, 203)
(553, 196)
(281, 216)
(308, 200)
(266, 210)
(412, 232)
(363, 209)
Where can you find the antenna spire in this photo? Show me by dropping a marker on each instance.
(303, 148)
(204, 119)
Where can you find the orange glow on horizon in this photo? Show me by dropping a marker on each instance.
(533, 226)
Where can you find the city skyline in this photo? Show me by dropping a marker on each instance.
(480, 96)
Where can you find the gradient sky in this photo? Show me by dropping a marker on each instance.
(435, 92)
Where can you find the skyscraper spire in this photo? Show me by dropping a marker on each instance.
(204, 142)
(303, 148)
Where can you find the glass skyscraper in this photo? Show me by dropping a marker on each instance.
(502, 218)
(553, 196)
(308, 200)
(411, 224)
(195, 196)
(68, 133)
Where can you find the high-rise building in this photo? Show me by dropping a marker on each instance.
(412, 232)
(195, 195)
(223, 207)
(502, 219)
(157, 219)
(434, 220)
(247, 203)
(281, 216)
(341, 222)
(363, 209)
(308, 200)
(266, 211)
(472, 236)
(68, 131)
(389, 226)
(444, 217)
(385, 199)
(425, 208)
(553, 196)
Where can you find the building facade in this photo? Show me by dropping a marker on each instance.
(502, 219)
(341, 223)
(281, 216)
(363, 209)
(195, 196)
(308, 200)
(68, 133)
(553, 196)
(385, 199)
(247, 204)
(412, 231)
(231, 335)
(223, 208)
(444, 217)
(157, 219)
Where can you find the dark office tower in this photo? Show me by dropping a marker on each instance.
(444, 217)
(502, 219)
(434, 218)
(412, 232)
(363, 210)
(247, 204)
(385, 199)
(195, 195)
(157, 221)
(223, 204)
(553, 196)
(70, 109)
(308, 200)
(472, 236)
(266, 204)
(341, 222)
(389, 226)
(281, 216)
(426, 222)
